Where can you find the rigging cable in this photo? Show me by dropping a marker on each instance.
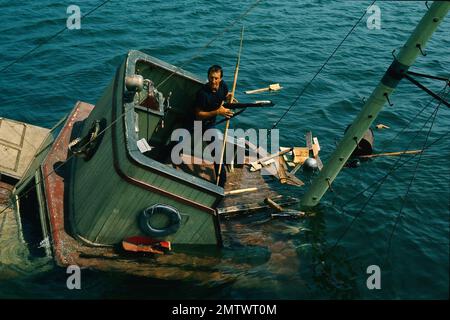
(359, 212)
(389, 142)
(399, 215)
(120, 116)
(380, 183)
(317, 73)
(209, 43)
(401, 156)
(51, 38)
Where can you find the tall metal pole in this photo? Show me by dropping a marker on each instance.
(408, 54)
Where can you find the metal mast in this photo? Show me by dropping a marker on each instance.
(407, 56)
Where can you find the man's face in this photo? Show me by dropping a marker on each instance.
(214, 80)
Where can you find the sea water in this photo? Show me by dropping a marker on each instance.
(326, 256)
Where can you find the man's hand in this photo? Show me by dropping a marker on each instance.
(228, 98)
(224, 112)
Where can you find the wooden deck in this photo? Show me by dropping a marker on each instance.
(243, 178)
(241, 203)
(19, 143)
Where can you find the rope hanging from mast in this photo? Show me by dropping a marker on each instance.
(318, 72)
(394, 167)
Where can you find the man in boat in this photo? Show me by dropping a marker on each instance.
(209, 105)
(210, 99)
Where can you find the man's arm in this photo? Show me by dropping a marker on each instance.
(221, 111)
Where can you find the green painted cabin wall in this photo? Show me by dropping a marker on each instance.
(105, 209)
(182, 99)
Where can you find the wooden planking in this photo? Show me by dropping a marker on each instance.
(34, 165)
(103, 210)
(121, 224)
(99, 218)
(243, 208)
(123, 188)
(19, 143)
(199, 227)
(147, 123)
(93, 183)
(243, 178)
(124, 220)
(161, 181)
(201, 232)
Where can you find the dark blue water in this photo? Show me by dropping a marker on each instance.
(285, 42)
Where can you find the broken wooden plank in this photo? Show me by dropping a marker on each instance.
(238, 191)
(272, 87)
(258, 164)
(273, 204)
(289, 214)
(293, 180)
(308, 138)
(238, 209)
(315, 149)
(281, 168)
(381, 126)
(297, 166)
(300, 154)
(319, 163)
(316, 142)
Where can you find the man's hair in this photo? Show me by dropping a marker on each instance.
(215, 68)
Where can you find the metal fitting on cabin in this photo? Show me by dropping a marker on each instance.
(134, 83)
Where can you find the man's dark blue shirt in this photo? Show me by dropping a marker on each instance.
(208, 101)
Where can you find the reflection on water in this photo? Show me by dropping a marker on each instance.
(263, 257)
(286, 44)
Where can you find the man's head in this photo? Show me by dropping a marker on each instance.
(215, 75)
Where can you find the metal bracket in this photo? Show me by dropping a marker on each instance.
(393, 54)
(387, 98)
(329, 184)
(418, 46)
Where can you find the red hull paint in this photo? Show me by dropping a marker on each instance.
(65, 247)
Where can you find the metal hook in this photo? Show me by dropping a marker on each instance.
(356, 141)
(329, 184)
(420, 48)
(426, 4)
(387, 98)
(393, 54)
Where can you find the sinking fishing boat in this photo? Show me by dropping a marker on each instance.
(106, 185)
(108, 195)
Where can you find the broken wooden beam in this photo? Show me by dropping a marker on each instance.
(251, 207)
(272, 87)
(258, 164)
(289, 214)
(273, 204)
(238, 191)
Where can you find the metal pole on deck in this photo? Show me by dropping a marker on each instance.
(408, 54)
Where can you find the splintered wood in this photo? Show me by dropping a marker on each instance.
(246, 188)
(272, 87)
(258, 190)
